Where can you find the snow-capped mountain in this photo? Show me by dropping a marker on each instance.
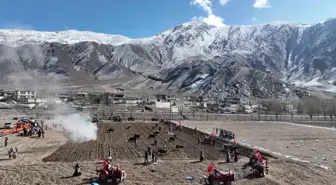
(16, 37)
(250, 60)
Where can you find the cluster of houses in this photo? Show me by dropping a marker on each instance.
(158, 102)
(155, 102)
(23, 99)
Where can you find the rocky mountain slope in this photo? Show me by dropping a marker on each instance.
(254, 60)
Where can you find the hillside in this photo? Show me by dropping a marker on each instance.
(249, 60)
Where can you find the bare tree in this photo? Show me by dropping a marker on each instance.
(273, 106)
(325, 108)
(312, 106)
(181, 106)
(299, 107)
(331, 108)
(241, 109)
(277, 107)
(193, 108)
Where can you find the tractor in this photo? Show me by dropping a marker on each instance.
(219, 177)
(96, 120)
(117, 119)
(259, 169)
(112, 176)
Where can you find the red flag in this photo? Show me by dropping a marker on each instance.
(212, 134)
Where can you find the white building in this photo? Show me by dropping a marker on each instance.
(24, 95)
(164, 105)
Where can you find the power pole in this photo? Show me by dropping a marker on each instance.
(143, 104)
(170, 112)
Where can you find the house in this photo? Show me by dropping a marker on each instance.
(9, 93)
(23, 96)
(133, 100)
(231, 100)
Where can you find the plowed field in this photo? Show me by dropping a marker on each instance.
(117, 142)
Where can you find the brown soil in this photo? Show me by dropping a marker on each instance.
(170, 170)
(116, 141)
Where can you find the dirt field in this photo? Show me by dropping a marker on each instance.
(170, 170)
(312, 144)
(165, 173)
(31, 149)
(117, 142)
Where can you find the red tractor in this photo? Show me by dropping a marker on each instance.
(260, 168)
(219, 177)
(112, 176)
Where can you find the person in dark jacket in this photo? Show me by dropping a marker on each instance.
(77, 171)
(6, 141)
(153, 157)
(202, 155)
(146, 157)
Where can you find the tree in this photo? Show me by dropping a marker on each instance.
(299, 107)
(331, 109)
(325, 108)
(312, 106)
(273, 106)
(241, 109)
(181, 106)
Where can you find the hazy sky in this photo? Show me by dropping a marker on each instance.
(142, 18)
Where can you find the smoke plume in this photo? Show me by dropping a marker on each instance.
(77, 125)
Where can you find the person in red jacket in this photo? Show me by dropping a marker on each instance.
(259, 156)
(210, 168)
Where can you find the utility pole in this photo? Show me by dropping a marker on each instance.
(143, 104)
(170, 112)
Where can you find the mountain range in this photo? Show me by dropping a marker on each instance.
(265, 61)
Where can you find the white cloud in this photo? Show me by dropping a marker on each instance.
(206, 6)
(223, 2)
(262, 4)
(16, 26)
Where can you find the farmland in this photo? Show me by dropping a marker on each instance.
(51, 160)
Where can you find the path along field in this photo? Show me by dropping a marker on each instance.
(170, 170)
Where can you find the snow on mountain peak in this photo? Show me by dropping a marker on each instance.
(14, 37)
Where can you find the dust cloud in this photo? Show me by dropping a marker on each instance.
(79, 127)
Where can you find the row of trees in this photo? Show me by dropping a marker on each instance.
(311, 106)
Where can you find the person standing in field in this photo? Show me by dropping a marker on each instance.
(6, 141)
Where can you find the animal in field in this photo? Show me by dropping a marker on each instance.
(151, 136)
(179, 146)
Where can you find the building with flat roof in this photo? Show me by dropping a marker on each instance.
(23, 96)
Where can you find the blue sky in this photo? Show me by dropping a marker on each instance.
(142, 18)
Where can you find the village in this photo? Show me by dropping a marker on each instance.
(118, 102)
